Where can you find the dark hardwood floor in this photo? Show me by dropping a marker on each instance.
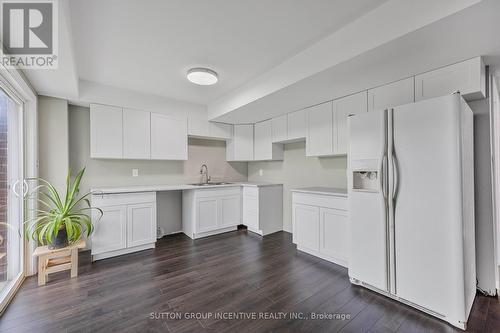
(236, 272)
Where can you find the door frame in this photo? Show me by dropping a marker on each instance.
(18, 87)
(495, 167)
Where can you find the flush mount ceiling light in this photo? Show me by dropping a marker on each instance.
(202, 76)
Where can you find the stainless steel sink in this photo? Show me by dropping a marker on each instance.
(210, 184)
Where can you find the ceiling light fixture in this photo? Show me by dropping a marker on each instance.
(202, 76)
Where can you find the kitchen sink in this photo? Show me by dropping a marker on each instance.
(210, 184)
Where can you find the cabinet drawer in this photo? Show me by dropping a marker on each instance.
(103, 200)
(319, 200)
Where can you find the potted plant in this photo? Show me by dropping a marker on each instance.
(61, 220)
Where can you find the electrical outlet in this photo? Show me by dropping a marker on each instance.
(261, 172)
(135, 172)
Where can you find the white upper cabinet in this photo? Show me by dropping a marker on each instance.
(280, 128)
(468, 77)
(106, 131)
(202, 128)
(290, 127)
(168, 138)
(198, 126)
(392, 94)
(220, 130)
(319, 141)
(136, 134)
(240, 147)
(264, 148)
(297, 125)
(342, 108)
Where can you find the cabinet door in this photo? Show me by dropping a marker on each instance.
(306, 226)
(251, 212)
(334, 234)
(206, 214)
(263, 146)
(243, 142)
(319, 130)
(297, 125)
(342, 108)
(251, 207)
(280, 128)
(229, 211)
(110, 233)
(168, 138)
(106, 131)
(468, 77)
(136, 134)
(392, 94)
(220, 130)
(141, 224)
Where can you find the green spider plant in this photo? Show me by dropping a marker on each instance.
(71, 213)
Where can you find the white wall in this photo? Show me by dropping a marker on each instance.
(53, 142)
(297, 170)
(101, 172)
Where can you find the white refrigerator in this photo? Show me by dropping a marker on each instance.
(411, 204)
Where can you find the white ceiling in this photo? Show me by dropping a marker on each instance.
(467, 33)
(148, 46)
(273, 56)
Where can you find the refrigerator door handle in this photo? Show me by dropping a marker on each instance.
(395, 177)
(383, 179)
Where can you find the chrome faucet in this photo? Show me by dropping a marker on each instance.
(207, 177)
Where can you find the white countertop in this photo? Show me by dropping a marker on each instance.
(178, 187)
(338, 192)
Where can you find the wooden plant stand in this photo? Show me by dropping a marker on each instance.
(57, 260)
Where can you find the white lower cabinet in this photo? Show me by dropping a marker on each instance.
(138, 232)
(110, 233)
(230, 210)
(263, 208)
(210, 211)
(128, 224)
(306, 226)
(321, 226)
(334, 233)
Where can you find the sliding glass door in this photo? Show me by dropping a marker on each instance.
(12, 188)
